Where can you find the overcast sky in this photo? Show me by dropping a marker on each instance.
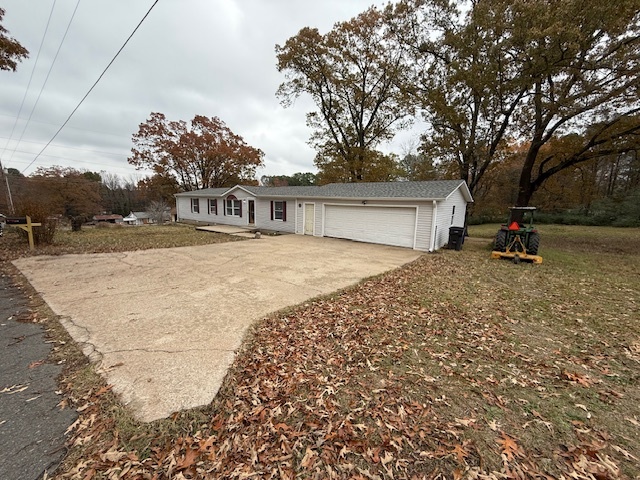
(206, 57)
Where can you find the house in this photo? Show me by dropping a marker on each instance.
(416, 215)
(137, 218)
(108, 218)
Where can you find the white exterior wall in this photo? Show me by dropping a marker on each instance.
(444, 216)
(242, 221)
(423, 223)
(183, 207)
(298, 214)
(423, 230)
(296, 208)
(183, 210)
(263, 215)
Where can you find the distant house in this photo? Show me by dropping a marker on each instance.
(111, 218)
(416, 215)
(137, 218)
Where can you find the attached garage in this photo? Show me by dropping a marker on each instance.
(374, 224)
(416, 215)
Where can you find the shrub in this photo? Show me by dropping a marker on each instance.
(40, 213)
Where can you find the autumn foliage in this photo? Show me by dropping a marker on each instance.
(11, 51)
(202, 154)
(352, 74)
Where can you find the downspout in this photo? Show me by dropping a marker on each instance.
(434, 219)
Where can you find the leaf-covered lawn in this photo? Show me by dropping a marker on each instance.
(455, 366)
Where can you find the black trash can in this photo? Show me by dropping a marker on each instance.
(456, 238)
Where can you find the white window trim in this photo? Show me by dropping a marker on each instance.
(233, 206)
(275, 211)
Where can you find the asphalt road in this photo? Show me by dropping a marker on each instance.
(31, 425)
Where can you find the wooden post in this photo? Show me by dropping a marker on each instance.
(26, 225)
(30, 233)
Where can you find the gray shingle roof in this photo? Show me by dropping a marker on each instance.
(427, 190)
(285, 191)
(205, 192)
(432, 190)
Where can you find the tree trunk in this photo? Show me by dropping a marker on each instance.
(525, 192)
(527, 185)
(76, 224)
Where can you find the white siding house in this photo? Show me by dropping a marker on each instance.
(415, 215)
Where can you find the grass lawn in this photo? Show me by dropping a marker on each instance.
(113, 238)
(454, 366)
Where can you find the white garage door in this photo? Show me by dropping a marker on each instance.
(385, 225)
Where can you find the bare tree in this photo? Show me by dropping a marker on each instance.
(158, 209)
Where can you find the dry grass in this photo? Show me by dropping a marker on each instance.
(111, 239)
(453, 366)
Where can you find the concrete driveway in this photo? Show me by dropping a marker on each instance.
(164, 325)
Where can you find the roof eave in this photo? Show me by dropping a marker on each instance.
(466, 193)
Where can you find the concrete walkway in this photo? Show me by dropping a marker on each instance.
(228, 229)
(164, 324)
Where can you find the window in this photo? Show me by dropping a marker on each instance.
(213, 206)
(453, 214)
(233, 206)
(195, 205)
(279, 211)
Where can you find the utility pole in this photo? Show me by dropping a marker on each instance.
(9, 197)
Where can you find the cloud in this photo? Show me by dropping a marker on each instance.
(206, 57)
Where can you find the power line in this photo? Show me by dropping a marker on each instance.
(33, 109)
(94, 85)
(76, 161)
(57, 145)
(24, 97)
(72, 128)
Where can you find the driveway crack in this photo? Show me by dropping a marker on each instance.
(88, 348)
(152, 350)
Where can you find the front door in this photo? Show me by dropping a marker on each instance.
(309, 218)
(252, 212)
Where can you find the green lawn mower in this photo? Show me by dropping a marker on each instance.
(516, 240)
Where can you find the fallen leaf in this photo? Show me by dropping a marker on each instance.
(460, 452)
(624, 452)
(36, 364)
(307, 460)
(509, 447)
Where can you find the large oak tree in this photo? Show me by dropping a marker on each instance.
(202, 154)
(351, 74)
(525, 71)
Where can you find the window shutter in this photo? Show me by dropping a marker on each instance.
(215, 206)
(284, 211)
(271, 209)
(240, 203)
(224, 207)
